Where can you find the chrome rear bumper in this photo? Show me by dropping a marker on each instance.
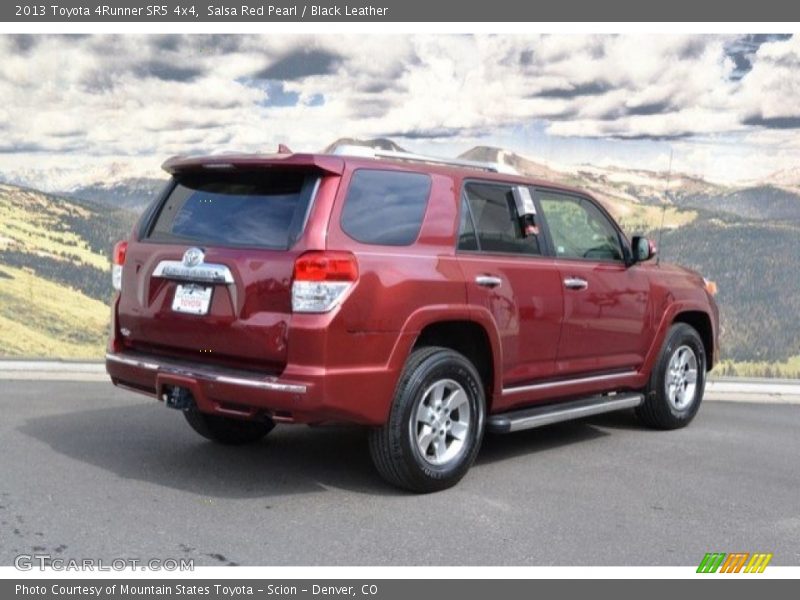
(208, 373)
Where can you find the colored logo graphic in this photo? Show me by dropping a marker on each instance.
(737, 562)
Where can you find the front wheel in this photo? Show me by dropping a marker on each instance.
(436, 422)
(678, 381)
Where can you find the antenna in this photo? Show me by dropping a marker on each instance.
(664, 209)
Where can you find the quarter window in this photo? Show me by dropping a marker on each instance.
(578, 228)
(385, 207)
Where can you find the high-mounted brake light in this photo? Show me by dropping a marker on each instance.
(321, 280)
(118, 260)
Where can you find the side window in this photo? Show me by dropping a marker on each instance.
(578, 228)
(493, 221)
(385, 207)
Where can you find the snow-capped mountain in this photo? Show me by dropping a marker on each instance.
(116, 183)
(132, 193)
(627, 193)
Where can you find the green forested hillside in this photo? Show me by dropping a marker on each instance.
(763, 202)
(54, 273)
(754, 265)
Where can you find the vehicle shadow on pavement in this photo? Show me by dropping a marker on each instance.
(150, 443)
(500, 447)
(620, 420)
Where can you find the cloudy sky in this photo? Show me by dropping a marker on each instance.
(77, 107)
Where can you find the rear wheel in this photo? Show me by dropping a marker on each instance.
(231, 432)
(677, 383)
(436, 422)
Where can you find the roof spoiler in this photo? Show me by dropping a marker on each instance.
(233, 162)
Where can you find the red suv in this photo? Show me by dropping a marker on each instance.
(425, 299)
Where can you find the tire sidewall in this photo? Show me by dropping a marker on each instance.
(444, 365)
(680, 335)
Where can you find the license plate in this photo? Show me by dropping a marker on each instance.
(193, 299)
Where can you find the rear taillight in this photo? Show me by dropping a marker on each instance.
(321, 280)
(118, 260)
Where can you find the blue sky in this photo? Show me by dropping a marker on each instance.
(76, 108)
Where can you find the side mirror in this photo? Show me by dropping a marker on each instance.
(643, 249)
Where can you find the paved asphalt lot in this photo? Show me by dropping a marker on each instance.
(91, 471)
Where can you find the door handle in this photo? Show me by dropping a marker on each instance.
(488, 280)
(575, 283)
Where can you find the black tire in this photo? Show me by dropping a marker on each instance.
(660, 410)
(394, 447)
(231, 432)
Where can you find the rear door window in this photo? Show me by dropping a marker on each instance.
(264, 209)
(493, 215)
(385, 207)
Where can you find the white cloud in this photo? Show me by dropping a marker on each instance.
(771, 90)
(142, 98)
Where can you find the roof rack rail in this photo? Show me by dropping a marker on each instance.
(366, 152)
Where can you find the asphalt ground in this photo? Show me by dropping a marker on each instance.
(91, 471)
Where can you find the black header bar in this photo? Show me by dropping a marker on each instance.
(472, 11)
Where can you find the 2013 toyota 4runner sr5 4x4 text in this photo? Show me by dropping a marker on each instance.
(428, 300)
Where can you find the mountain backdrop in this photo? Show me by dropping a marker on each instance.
(55, 247)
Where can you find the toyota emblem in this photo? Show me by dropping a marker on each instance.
(193, 257)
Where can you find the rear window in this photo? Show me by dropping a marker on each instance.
(385, 207)
(264, 209)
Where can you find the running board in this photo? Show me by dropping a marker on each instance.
(538, 416)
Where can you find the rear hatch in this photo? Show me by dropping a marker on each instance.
(209, 279)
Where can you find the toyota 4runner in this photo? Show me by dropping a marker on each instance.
(428, 300)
